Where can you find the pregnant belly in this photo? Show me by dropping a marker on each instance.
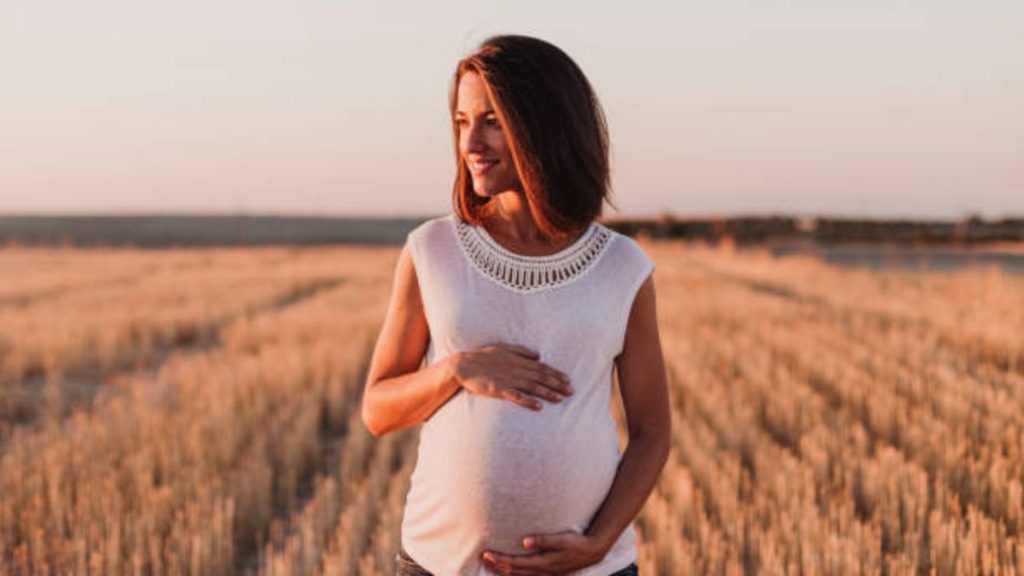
(501, 471)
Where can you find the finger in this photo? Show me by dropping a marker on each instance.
(518, 397)
(506, 569)
(548, 369)
(532, 388)
(533, 383)
(518, 572)
(554, 541)
(496, 567)
(551, 378)
(539, 562)
(544, 374)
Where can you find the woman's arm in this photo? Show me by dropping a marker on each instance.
(397, 393)
(644, 387)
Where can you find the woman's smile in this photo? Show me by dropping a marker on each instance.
(480, 167)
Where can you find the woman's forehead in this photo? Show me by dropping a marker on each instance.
(472, 94)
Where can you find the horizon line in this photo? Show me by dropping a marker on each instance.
(646, 215)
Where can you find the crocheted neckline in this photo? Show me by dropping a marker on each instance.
(526, 274)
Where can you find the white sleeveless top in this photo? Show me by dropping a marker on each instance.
(489, 471)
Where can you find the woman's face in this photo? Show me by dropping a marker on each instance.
(482, 143)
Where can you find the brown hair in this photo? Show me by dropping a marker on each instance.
(555, 129)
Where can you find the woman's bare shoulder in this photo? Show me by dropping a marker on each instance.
(630, 246)
(431, 225)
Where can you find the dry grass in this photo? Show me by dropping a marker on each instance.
(837, 421)
(182, 472)
(827, 421)
(116, 310)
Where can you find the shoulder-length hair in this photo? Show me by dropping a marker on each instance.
(555, 128)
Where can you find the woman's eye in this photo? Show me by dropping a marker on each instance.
(492, 122)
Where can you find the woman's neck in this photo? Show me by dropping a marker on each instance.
(510, 218)
(511, 222)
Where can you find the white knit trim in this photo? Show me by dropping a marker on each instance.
(527, 274)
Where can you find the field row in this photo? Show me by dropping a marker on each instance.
(188, 470)
(816, 435)
(71, 321)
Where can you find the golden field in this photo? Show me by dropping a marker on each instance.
(196, 412)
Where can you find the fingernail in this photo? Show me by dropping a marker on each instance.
(528, 542)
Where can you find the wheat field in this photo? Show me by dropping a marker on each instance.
(197, 412)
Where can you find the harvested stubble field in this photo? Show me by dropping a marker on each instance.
(196, 412)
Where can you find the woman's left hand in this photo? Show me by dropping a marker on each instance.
(556, 553)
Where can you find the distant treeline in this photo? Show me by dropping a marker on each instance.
(193, 231)
(171, 230)
(972, 230)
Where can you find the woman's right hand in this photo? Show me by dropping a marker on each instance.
(510, 372)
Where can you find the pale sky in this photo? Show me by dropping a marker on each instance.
(834, 107)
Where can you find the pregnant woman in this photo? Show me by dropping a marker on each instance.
(506, 321)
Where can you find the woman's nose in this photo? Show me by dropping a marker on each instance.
(473, 140)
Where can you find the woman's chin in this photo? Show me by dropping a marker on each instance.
(482, 191)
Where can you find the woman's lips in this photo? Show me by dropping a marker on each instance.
(482, 166)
